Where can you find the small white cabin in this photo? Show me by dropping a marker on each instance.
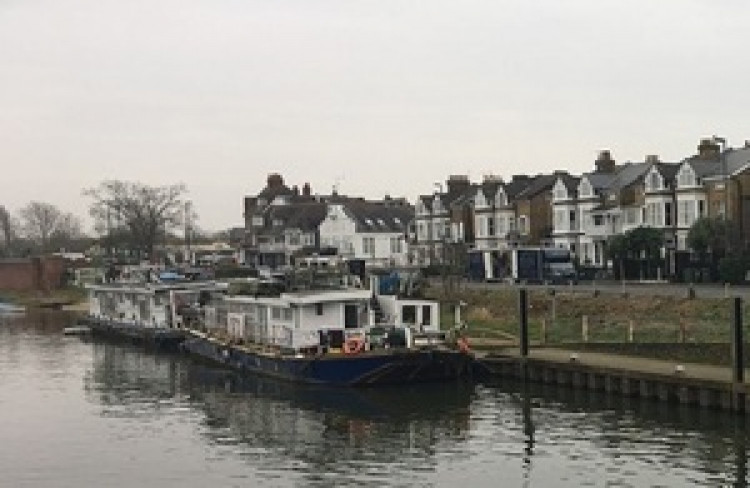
(295, 320)
(148, 305)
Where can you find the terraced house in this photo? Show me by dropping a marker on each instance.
(442, 219)
(614, 199)
(280, 222)
(495, 219)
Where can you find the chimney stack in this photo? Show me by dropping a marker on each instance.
(604, 162)
(458, 183)
(652, 158)
(306, 190)
(708, 149)
(275, 181)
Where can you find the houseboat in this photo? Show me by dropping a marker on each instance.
(333, 336)
(150, 312)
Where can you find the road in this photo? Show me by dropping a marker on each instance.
(631, 288)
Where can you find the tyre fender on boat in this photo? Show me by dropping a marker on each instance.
(354, 345)
(463, 344)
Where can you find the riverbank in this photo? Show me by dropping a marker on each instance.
(72, 298)
(665, 327)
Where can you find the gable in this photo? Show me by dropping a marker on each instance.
(654, 180)
(585, 189)
(501, 199)
(560, 191)
(686, 177)
(479, 199)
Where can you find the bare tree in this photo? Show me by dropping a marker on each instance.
(144, 212)
(48, 227)
(6, 227)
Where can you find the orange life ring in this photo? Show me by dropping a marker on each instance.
(353, 345)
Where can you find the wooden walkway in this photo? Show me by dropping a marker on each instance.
(689, 383)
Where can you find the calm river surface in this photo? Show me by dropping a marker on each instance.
(78, 413)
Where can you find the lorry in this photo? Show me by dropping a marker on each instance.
(542, 265)
(488, 265)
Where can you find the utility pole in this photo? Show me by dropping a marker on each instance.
(187, 232)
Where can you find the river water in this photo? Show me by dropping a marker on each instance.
(80, 413)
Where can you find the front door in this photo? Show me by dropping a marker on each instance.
(350, 317)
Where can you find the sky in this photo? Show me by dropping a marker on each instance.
(373, 97)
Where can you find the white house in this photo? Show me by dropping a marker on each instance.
(494, 216)
(373, 231)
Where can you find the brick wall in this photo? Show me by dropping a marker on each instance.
(39, 273)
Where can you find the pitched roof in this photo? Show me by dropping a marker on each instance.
(627, 174)
(516, 185)
(489, 188)
(379, 216)
(571, 182)
(304, 216)
(600, 180)
(539, 184)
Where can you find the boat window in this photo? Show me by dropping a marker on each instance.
(409, 314)
(426, 315)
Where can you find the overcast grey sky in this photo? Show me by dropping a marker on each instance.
(376, 96)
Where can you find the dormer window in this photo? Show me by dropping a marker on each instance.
(501, 199)
(654, 181)
(686, 177)
(559, 192)
(585, 189)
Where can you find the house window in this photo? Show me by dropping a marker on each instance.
(318, 309)
(490, 226)
(368, 245)
(668, 214)
(598, 220)
(559, 219)
(395, 245)
(522, 225)
(409, 314)
(426, 315)
(258, 221)
(653, 181)
(572, 215)
(686, 178)
(701, 208)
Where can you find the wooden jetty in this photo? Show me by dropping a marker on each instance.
(692, 384)
(668, 381)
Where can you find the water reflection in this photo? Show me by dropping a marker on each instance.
(340, 432)
(201, 425)
(675, 438)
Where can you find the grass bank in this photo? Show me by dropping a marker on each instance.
(617, 322)
(39, 299)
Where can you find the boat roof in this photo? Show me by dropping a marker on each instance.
(307, 297)
(152, 288)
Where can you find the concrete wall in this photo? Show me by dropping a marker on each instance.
(28, 274)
